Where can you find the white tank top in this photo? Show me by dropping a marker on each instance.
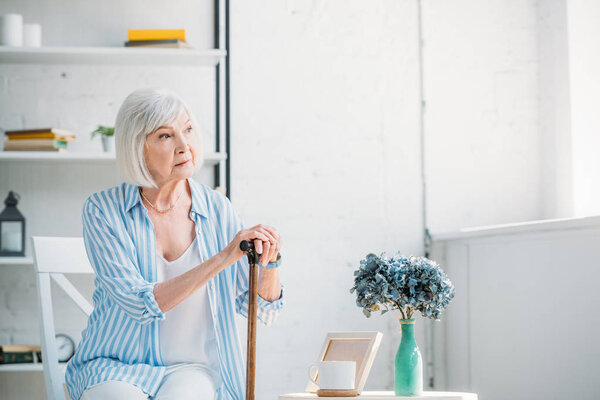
(187, 333)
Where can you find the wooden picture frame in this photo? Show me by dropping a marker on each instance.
(349, 346)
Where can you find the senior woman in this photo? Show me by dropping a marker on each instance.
(170, 275)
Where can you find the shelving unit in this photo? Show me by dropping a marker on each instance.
(111, 55)
(28, 367)
(211, 159)
(16, 261)
(216, 58)
(89, 55)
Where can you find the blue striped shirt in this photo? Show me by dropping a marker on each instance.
(122, 337)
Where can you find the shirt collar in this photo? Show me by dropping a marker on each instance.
(133, 198)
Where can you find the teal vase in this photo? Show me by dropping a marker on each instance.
(408, 374)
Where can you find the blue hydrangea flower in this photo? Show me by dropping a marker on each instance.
(403, 283)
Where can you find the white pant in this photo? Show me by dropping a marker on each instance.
(179, 383)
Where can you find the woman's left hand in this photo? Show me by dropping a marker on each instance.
(268, 249)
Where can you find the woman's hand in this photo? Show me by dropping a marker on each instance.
(267, 243)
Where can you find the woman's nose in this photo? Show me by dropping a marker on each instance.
(182, 143)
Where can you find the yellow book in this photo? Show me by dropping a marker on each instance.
(41, 130)
(34, 143)
(156, 34)
(19, 348)
(47, 135)
(41, 148)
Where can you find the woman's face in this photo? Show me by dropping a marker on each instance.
(170, 145)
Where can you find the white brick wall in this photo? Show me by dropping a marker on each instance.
(555, 115)
(325, 148)
(80, 97)
(482, 124)
(584, 64)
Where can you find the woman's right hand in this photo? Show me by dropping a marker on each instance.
(267, 243)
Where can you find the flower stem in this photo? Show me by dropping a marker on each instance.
(400, 308)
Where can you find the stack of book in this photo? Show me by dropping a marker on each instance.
(156, 38)
(20, 353)
(45, 139)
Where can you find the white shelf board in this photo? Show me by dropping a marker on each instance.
(16, 260)
(55, 156)
(19, 367)
(110, 55)
(547, 225)
(210, 159)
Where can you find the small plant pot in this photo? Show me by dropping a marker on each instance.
(108, 144)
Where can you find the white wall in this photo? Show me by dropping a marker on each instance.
(554, 110)
(482, 131)
(325, 148)
(584, 64)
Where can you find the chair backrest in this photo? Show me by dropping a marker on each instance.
(53, 257)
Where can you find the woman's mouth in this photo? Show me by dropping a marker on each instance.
(183, 163)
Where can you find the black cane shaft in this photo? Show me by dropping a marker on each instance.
(251, 345)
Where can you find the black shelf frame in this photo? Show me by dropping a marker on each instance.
(222, 6)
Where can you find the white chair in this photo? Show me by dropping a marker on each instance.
(53, 257)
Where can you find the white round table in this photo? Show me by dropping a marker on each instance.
(386, 396)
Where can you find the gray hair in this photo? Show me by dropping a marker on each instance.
(142, 112)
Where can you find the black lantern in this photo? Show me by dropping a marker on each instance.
(12, 228)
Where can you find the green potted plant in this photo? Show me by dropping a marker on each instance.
(108, 137)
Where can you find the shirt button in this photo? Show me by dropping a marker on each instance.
(212, 287)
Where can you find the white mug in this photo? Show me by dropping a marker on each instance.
(334, 375)
(32, 35)
(11, 30)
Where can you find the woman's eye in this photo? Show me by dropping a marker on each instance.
(189, 129)
(164, 134)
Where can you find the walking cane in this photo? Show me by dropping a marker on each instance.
(248, 247)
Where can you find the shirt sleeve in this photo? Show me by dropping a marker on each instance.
(267, 311)
(115, 266)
